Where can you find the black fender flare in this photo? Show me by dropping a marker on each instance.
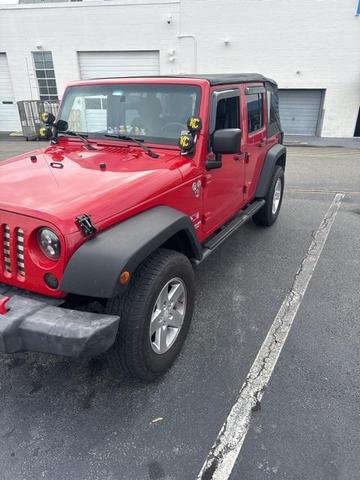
(94, 269)
(271, 159)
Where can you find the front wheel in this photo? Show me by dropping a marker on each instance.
(155, 315)
(269, 212)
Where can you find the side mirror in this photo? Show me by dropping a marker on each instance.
(62, 125)
(226, 141)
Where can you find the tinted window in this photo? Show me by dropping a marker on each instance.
(255, 112)
(274, 126)
(227, 113)
(272, 107)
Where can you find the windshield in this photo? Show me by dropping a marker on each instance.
(155, 113)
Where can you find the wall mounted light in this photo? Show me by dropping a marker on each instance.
(171, 55)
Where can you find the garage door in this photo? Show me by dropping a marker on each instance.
(300, 111)
(9, 119)
(118, 64)
(113, 64)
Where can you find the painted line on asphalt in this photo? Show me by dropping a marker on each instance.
(322, 191)
(223, 454)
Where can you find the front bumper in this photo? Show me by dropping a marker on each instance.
(34, 326)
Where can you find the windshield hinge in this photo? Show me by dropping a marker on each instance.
(86, 225)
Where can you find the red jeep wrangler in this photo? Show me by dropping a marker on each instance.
(143, 179)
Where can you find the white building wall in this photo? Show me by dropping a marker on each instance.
(65, 29)
(300, 43)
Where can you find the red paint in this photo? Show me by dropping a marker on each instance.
(33, 195)
(3, 308)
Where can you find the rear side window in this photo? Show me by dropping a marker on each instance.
(227, 113)
(255, 112)
(271, 108)
(274, 126)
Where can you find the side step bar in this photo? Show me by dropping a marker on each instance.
(216, 240)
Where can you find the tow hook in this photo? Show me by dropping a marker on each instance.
(3, 308)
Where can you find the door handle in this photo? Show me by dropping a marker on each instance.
(241, 156)
(262, 143)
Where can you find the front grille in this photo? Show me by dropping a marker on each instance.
(9, 236)
(6, 242)
(20, 252)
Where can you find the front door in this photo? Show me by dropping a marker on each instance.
(223, 192)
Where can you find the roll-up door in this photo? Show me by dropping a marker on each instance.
(300, 111)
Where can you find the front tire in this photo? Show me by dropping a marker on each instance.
(268, 214)
(155, 315)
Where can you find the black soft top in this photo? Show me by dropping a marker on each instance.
(226, 78)
(213, 79)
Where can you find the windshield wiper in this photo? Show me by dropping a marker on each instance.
(138, 142)
(83, 138)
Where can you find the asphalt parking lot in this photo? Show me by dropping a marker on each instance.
(62, 419)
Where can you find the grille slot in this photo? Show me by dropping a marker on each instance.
(20, 252)
(6, 242)
(12, 238)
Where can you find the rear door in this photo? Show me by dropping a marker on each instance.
(254, 138)
(223, 192)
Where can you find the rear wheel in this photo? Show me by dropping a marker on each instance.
(155, 315)
(269, 212)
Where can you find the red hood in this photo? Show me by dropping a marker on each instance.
(66, 182)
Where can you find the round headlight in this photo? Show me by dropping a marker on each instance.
(49, 243)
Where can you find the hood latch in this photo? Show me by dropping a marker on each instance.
(86, 225)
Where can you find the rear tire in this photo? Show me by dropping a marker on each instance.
(152, 330)
(268, 214)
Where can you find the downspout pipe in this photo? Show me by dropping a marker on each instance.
(190, 35)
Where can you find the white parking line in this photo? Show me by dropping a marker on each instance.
(223, 454)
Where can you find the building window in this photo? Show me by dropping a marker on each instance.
(45, 74)
(255, 112)
(47, 1)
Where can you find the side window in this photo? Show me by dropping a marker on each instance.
(272, 105)
(273, 111)
(227, 113)
(255, 111)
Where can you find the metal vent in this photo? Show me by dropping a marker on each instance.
(20, 252)
(6, 240)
